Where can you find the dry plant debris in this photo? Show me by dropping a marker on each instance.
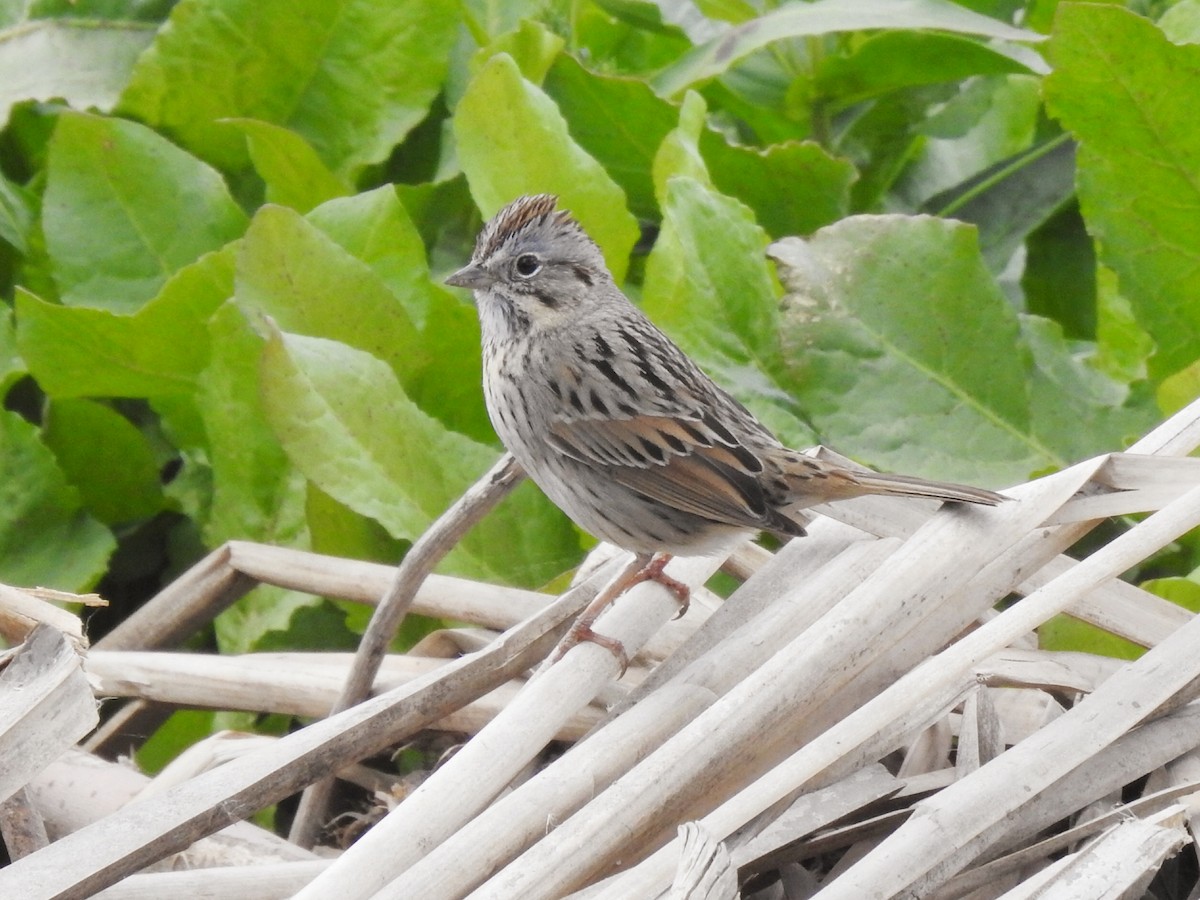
(867, 715)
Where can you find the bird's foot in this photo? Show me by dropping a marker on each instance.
(582, 632)
(653, 571)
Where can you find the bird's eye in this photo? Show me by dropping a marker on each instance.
(528, 265)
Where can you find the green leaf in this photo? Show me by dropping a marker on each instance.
(345, 421)
(80, 352)
(1011, 199)
(1102, 413)
(12, 366)
(106, 458)
(125, 209)
(16, 215)
(626, 36)
(829, 17)
(256, 494)
(1059, 280)
(352, 77)
(1122, 346)
(1130, 97)
(375, 228)
(295, 176)
(532, 46)
(989, 121)
(897, 59)
(679, 155)
(527, 150)
(46, 537)
(903, 352)
(1180, 389)
(85, 63)
(793, 187)
(618, 120)
(1181, 23)
(289, 270)
(709, 286)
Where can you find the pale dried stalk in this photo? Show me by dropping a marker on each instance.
(1119, 865)
(261, 881)
(46, 705)
(439, 596)
(481, 769)
(21, 612)
(969, 815)
(126, 841)
(518, 819)
(297, 684)
(438, 540)
(878, 617)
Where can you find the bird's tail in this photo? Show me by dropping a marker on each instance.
(909, 486)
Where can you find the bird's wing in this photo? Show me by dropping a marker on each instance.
(689, 462)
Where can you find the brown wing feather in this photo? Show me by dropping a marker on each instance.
(679, 461)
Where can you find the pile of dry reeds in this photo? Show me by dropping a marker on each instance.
(868, 715)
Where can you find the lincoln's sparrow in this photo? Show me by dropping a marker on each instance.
(615, 423)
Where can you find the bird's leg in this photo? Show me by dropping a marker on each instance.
(643, 567)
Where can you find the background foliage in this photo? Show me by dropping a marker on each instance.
(224, 225)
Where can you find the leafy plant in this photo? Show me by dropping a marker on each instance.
(221, 252)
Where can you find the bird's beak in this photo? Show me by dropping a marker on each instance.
(471, 276)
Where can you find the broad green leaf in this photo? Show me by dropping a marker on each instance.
(1130, 97)
(16, 216)
(347, 424)
(447, 219)
(902, 351)
(106, 458)
(527, 150)
(1065, 634)
(626, 37)
(1011, 199)
(295, 176)
(1103, 414)
(1178, 390)
(12, 366)
(709, 286)
(793, 187)
(153, 11)
(829, 17)
(1184, 592)
(532, 46)
(257, 620)
(1122, 345)
(990, 120)
(80, 352)
(352, 76)
(1059, 278)
(1181, 23)
(679, 154)
(496, 17)
(47, 538)
(897, 59)
(125, 209)
(289, 270)
(257, 494)
(618, 120)
(85, 63)
(375, 228)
